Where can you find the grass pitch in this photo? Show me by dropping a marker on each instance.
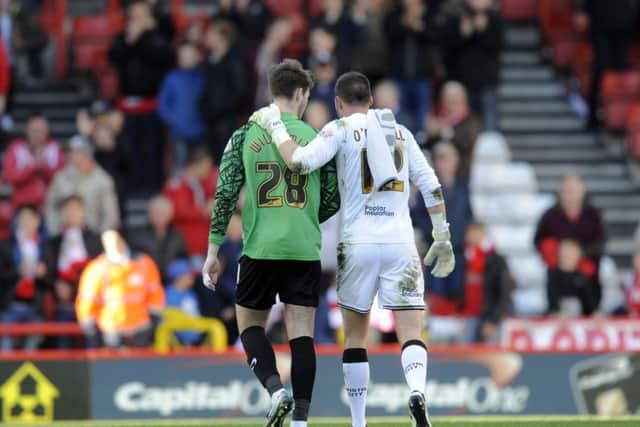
(484, 421)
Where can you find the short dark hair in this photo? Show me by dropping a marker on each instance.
(287, 76)
(353, 88)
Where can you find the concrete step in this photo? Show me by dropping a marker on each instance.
(592, 154)
(57, 113)
(629, 202)
(603, 170)
(551, 140)
(50, 98)
(531, 91)
(530, 73)
(620, 229)
(621, 246)
(620, 215)
(526, 37)
(519, 58)
(535, 108)
(534, 124)
(598, 185)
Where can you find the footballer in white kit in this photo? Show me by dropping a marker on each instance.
(377, 251)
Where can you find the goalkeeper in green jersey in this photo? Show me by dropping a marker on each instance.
(281, 254)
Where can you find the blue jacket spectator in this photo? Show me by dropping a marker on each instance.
(178, 102)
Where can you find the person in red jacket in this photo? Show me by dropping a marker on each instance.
(192, 194)
(29, 164)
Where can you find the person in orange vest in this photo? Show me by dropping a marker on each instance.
(120, 296)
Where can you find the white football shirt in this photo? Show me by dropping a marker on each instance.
(368, 215)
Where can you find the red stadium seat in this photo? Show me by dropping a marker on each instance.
(572, 54)
(108, 81)
(519, 10)
(619, 85)
(633, 118)
(100, 26)
(557, 19)
(285, 7)
(615, 114)
(91, 55)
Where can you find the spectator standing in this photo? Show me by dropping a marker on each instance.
(337, 19)
(454, 123)
(5, 84)
(29, 164)
(371, 55)
(323, 66)
(141, 56)
(180, 295)
(23, 276)
(225, 90)
(387, 95)
(178, 104)
(269, 54)
(573, 218)
(192, 194)
(160, 240)
(570, 291)
(411, 36)
(65, 256)
(456, 193)
(163, 19)
(86, 179)
(487, 285)
(612, 26)
(250, 17)
(135, 297)
(473, 39)
(29, 39)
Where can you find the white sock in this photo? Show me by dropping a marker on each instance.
(356, 381)
(298, 424)
(414, 365)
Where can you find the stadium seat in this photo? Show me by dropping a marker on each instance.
(97, 27)
(519, 10)
(493, 179)
(619, 85)
(491, 147)
(572, 54)
(91, 55)
(529, 301)
(633, 117)
(557, 19)
(513, 239)
(528, 270)
(285, 7)
(615, 114)
(511, 208)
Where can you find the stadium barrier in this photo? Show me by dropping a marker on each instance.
(462, 380)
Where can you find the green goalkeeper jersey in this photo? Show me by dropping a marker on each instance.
(282, 211)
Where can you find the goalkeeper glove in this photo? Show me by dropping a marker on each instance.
(269, 119)
(442, 250)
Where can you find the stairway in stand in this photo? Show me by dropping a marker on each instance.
(542, 129)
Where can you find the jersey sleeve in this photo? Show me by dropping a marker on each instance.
(329, 194)
(422, 175)
(320, 150)
(230, 182)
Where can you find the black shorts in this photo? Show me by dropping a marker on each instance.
(259, 280)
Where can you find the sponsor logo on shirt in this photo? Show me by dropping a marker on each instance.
(377, 211)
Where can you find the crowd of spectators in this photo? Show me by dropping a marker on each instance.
(181, 96)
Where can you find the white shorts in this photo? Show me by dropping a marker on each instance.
(394, 271)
